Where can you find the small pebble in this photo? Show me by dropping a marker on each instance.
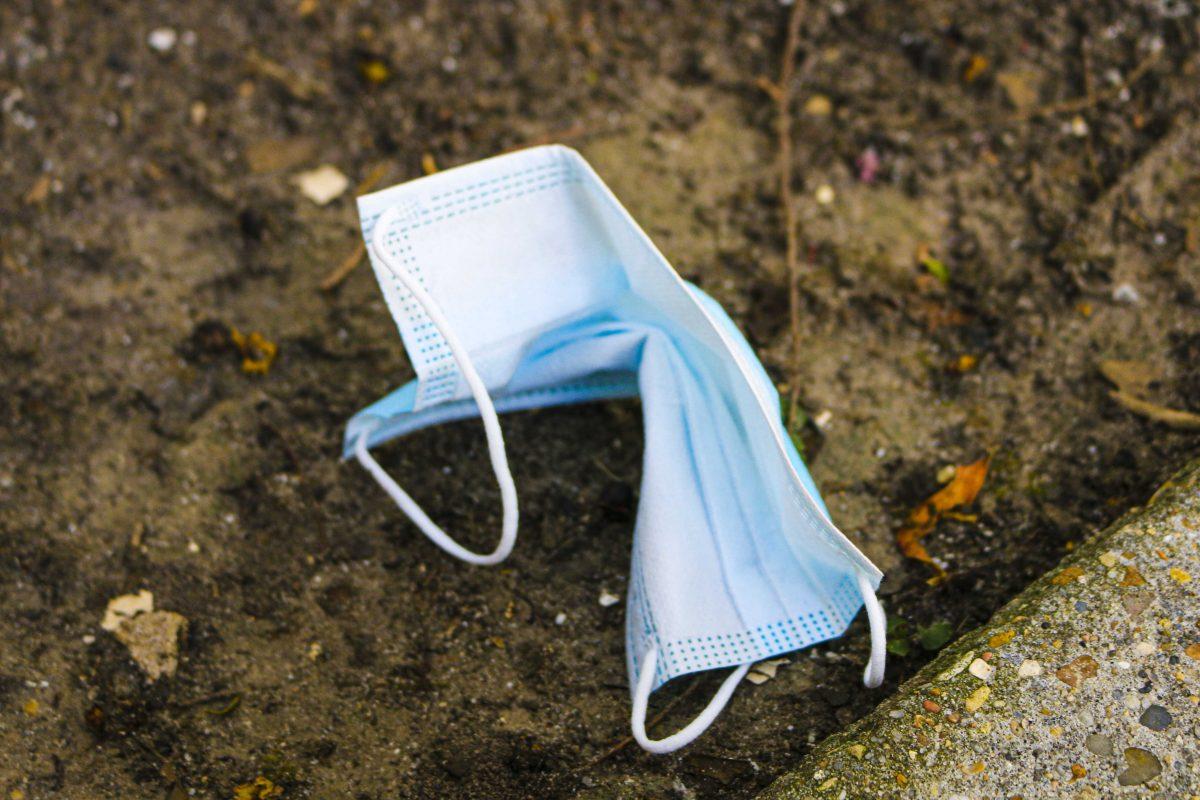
(162, 39)
(981, 669)
(1079, 127)
(1156, 718)
(560, 618)
(1029, 669)
(976, 699)
(1143, 648)
(1140, 766)
(1125, 293)
(825, 194)
(1109, 559)
(607, 599)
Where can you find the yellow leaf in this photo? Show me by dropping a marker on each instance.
(960, 491)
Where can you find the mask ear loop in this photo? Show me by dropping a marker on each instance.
(877, 619)
(487, 413)
(872, 677)
(641, 698)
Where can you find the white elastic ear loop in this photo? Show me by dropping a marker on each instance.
(873, 674)
(487, 413)
(641, 697)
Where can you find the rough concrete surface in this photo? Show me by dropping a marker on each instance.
(1086, 685)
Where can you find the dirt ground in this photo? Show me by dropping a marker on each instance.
(1044, 153)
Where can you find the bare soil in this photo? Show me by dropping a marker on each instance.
(1045, 153)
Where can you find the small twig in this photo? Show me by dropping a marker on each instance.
(627, 740)
(782, 93)
(1090, 99)
(343, 270)
(377, 174)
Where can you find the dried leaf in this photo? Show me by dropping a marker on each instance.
(1133, 377)
(1174, 418)
(259, 789)
(258, 352)
(39, 191)
(962, 490)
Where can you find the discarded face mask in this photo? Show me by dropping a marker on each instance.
(521, 282)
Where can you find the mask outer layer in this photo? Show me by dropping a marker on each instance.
(521, 282)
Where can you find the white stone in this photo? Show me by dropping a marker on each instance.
(981, 669)
(162, 39)
(323, 184)
(1029, 669)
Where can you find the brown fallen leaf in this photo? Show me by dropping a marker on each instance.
(1172, 417)
(1133, 377)
(1133, 380)
(960, 491)
(39, 191)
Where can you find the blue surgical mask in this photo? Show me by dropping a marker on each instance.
(521, 282)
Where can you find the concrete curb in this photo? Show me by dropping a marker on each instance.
(1086, 685)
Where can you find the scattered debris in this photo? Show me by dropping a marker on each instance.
(153, 641)
(962, 490)
(151, 636)
(764, 671)
(298, 86)
(126, 607)
(162, 39)
(374, 71)
(39, 191)
(428, 164)
(1079, 129)
(818, 105)
(322, 185)
(258, 352)
(1020, 88)
(1126, 293)
(975, 67)
(343, 270)
(607, 599)
(274, 155)
(259, 789)
(825, 194)
(868, 163)
(1134, 379)
(1171, 417)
